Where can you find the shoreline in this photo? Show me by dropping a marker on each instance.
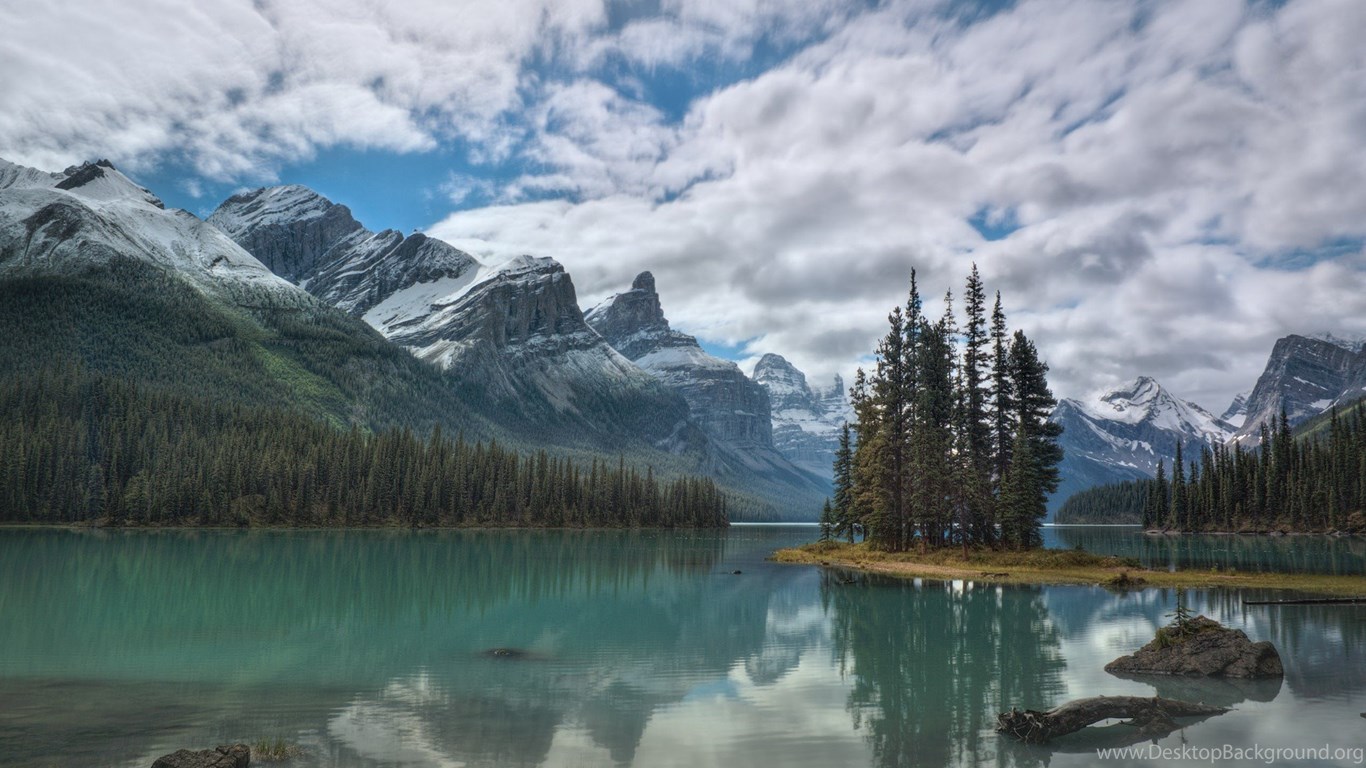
(1054, 566)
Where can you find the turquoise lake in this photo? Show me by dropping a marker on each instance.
(370, 648)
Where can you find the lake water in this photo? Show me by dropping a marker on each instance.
(1341, 555)
(368, 648)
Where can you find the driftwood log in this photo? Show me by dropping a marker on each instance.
(1155, 714)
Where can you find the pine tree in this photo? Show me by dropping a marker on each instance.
(845, 515)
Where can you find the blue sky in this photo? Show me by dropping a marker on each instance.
(1145, 181)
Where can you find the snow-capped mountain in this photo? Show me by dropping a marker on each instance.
(806, 420)
(92, 215)
(731, 408)
(512, 330)
(1305, 376)
(725, 402)
(1236, 412)
(1122, 434)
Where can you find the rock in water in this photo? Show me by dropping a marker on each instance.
(1204, 647)
(231, 756)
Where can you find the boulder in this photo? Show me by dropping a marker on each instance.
(1204, 647)
(230, 756)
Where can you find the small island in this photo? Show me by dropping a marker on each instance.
(946, 471)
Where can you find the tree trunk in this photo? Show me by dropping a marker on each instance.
(1037, 727)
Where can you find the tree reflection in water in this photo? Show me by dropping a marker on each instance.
(932, 663)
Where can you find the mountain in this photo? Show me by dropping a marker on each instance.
(95, 270)
(511, 334)
(806, 421)
(725, 402)
(92, 215)
(511, 339)
(730, 408)
(1123, 434)
(1236, 412)
(1304, 376)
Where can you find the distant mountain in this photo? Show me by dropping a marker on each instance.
(94, 269)
(512, 339)
(729, 406)
(1304, 376)
(806, 420)
(510, 333)
(92, 215)
(1123, 434)
(1236, 412)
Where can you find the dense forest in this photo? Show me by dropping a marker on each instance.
(1316, 483)
(947, 448)
(1116, 504)
(78, 446)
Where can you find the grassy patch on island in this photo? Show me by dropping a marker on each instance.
(1052, 566)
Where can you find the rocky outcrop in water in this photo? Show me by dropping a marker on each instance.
(1203, 647)
(231, 756)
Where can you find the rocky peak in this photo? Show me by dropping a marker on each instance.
(1236, 412)
(1304, 377)
(100, 181)
(291, 228)
(726, 403)
(785, 384)
(633, 322)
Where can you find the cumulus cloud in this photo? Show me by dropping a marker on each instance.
(1173, 170)
(1173, 185)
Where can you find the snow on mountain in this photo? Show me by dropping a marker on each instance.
(806, 421)
(92, 214)
(1304, 377)
(726, 403)
(733, 410)
(1236, 413)
(1123, 433)
(1145, 401)
(511, 329)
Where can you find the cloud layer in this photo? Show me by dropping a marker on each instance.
(1170, 186)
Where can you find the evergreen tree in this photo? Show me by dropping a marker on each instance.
(844, 511)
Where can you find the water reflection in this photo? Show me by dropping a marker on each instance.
(932, 663)
(369, 648)
(1342, 555)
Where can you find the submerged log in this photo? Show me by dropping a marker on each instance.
(1149, 714)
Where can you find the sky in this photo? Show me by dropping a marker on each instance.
(1155, 188)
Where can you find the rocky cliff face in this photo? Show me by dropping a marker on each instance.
(806, 421)
(510, 333)
(724, 402)
(93, 215)
(1123, 434)
(313, 242)
(1304, 377)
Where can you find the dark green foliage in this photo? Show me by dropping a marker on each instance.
(78, 446)
(1314, 484)
(1108, 504)
(131, 320)
(951, 449)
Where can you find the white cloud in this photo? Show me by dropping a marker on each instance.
(1162, 160)
(1169, 163)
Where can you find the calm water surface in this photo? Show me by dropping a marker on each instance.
(1345, 555)
(368, 648)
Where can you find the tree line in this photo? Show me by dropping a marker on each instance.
(1312, 484)
(948, 447)
(78, 446)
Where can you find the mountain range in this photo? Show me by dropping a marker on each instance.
(282, 298)
(1123, 433)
